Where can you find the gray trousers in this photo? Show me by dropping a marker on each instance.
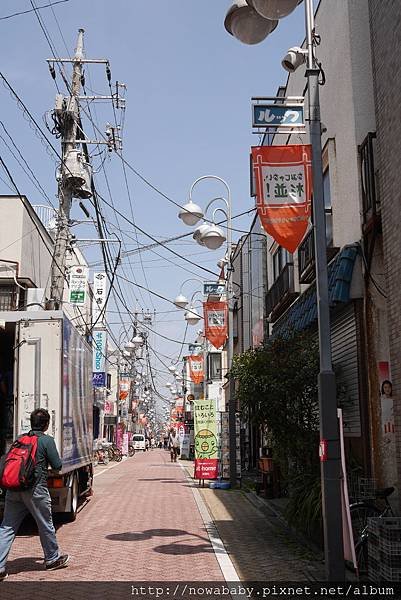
(18, 504)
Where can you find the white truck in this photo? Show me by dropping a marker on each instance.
(50, 367)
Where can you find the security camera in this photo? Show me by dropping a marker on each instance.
(294, 58)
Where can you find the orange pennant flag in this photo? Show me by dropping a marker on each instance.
(283, 176)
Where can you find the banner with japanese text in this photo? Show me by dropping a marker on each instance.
(195, 366)
(206, 446)
(283, 177)
(215, 316)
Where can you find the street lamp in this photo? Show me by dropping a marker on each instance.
(192, 317)
(212, 237)
(331, 472)
(181, 301)
(244, 23)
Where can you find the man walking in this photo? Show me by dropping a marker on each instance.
(35, 500)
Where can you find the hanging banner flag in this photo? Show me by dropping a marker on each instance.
(124, 388)
(283, 176)
(215, 317)
(77, 285)
(99, 298)
(195, 365)
(206, 446)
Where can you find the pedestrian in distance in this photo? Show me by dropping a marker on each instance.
(174, 445)
(34, 500)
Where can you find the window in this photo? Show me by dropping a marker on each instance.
(280, 258)
(7, 297)
(214, 366)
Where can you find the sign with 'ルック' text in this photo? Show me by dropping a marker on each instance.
(283, 176)
(206, 444)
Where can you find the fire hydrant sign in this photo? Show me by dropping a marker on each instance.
(206, 446)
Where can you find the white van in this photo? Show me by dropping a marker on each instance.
(138, 441)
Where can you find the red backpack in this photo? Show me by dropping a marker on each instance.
(17, 467)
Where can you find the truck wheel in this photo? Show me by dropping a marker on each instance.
(72, 514)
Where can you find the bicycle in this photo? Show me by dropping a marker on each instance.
(379, 507)
(115, 453)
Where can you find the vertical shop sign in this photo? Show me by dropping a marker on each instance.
(99, 357)
(206, 446)
(99, 298)
(77, 285)
(283, 176)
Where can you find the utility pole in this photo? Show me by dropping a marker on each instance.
(75, 180)
(65, 190)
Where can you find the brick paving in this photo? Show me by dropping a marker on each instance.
(260, 546)
(142, 524)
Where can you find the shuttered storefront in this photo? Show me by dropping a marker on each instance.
(344, 341)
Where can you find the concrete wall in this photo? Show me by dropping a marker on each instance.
(385, 21)
(20, 240)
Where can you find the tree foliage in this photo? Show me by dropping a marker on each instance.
(277, 388)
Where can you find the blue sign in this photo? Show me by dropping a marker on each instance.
(99, 350)
(215, 289)
(99, 379)
(277, 115)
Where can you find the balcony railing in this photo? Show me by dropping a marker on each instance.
(282, 293)
(306, 258)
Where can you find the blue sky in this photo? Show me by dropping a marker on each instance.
(189, 86)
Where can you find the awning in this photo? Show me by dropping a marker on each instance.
(303, 313)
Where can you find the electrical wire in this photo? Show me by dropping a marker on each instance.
(25, 12)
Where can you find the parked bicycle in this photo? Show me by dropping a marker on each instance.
(114, 452)
(361, 511)
(100, 455)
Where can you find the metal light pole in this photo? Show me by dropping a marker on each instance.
(238, 20)
(191, 214)
(329, 430)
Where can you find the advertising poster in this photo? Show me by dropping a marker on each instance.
(206, 446)
(283, 176)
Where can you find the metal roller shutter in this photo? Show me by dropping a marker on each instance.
(345, 362)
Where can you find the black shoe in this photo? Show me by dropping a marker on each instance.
(59, 563)
(3, 576)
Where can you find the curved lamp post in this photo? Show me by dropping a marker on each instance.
(212, 237)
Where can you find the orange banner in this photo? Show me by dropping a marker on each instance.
(195, 365)
(283, 177)
(215, 316)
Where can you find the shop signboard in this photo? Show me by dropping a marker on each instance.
(206, 445)
(99, 358)
(99, 298)
(77, 285)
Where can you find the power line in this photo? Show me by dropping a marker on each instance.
(25, 12)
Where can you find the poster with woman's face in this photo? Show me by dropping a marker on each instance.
(386, 398)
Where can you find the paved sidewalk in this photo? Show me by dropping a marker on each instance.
(142, 524)
(259, 544)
